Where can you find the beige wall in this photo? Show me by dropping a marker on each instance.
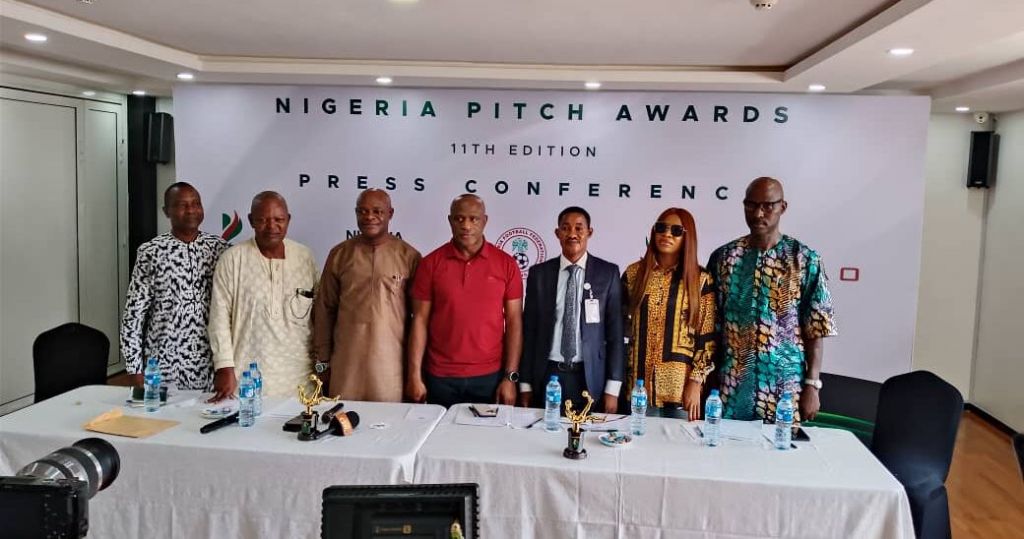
(970, 320)
(950, 254)
(999, 364)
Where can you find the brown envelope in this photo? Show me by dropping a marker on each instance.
(116, 423)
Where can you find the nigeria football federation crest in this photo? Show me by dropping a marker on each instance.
(525, 246)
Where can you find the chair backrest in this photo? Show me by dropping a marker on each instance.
(850, 397)
(915, 429)
(69, 356)
(1018, 446)
(849, 404)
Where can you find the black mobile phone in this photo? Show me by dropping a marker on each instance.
(800, 435)
(294, 424)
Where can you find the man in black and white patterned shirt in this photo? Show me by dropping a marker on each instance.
(169, 297)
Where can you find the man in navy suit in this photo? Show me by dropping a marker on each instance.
(572, 322)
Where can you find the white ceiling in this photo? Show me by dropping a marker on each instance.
(968, 52)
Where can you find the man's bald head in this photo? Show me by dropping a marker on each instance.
(763, 206)
(468, 217)
(766, 185)
(373, 215)
(468, 199)
(374, 194)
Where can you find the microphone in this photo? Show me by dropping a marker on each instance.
(220, 423)
(326, 416)
(343, 423)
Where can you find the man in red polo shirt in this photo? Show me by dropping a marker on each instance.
(467, 308)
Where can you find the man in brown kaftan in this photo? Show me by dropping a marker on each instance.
(361, 308)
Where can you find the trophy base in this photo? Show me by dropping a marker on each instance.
(308, 432)
(574, 455)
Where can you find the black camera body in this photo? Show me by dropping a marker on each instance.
(34, 507)
(50, 496)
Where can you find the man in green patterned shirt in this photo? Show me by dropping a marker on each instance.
(774, 311)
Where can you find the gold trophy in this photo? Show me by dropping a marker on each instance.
(575, 449)
(309, 415)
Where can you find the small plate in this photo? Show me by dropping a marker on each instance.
(615, 439)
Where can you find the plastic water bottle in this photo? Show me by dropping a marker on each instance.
(638, 401)
(784, 421)
(257, 384)
(246, 401)
(552, 405)
(151, 377)
(712, 419)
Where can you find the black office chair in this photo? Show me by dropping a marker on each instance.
(849, 404)
(915, 431)
(1018, 445)
(67, 357)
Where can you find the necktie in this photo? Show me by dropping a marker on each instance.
(569, 315)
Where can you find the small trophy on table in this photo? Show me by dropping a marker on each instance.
(575, 449)
(309, 415)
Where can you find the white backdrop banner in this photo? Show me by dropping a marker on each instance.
(852, 166)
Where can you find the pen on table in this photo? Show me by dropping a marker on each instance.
(220, 423)
(538, 420)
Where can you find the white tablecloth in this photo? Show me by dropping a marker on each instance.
(232, 483)
(666, 485)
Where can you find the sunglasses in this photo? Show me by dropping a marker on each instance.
(661, 228)
(766, 207)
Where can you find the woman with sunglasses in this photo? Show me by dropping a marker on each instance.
(670, 317)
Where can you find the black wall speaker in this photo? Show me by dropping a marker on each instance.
(159, 137)
(981, 169)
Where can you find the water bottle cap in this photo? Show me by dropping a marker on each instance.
(253, 365)
(554, 377)
(246, 374)
(714, 393)
(787, 395)
(640, 382)
(151, 361)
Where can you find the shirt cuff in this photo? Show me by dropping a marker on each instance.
(612, 387)
(223, 361)
(525, 388)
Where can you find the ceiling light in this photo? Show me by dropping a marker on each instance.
(138, 92)
(901, 51)
(36, 38)
(816, 88)
(963, 109)
(592, 85)
(186, 76)
(384, 80)
(88, 93)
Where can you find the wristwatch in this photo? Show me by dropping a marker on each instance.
(321, 366)
(512, 376)
(813, 382)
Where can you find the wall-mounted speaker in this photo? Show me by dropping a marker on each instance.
(981, 169)
(159, 137)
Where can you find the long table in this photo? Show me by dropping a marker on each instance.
(234, 482)
(666, 484)
(262, 482)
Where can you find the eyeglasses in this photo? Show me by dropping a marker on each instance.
(661, 228)
(767, 207)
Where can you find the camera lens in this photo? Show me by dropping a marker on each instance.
(92, 460)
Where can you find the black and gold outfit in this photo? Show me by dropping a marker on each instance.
(663, 349)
